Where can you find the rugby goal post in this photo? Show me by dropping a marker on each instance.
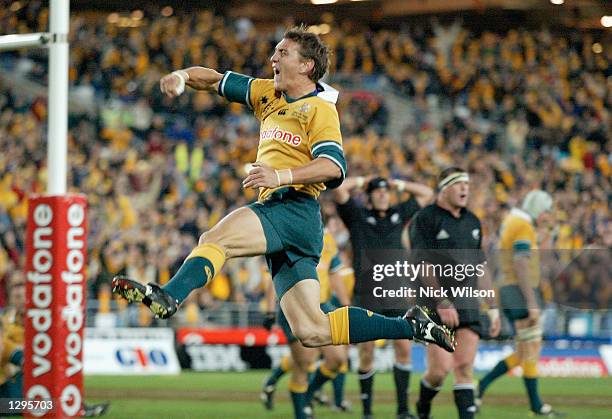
(56, 250)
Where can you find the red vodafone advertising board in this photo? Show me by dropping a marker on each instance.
(55, 304)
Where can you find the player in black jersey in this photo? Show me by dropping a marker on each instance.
(376, 226)
(446, 238)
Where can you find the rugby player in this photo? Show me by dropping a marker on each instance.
(300, 154)
(376, 226)
(301, 360)
(436, 232)
(520, 295)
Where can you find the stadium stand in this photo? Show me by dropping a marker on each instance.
(522, 108)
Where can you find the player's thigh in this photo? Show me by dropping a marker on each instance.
(402, 349)
(439, 362)
(464, 355)
(239, 233)
(302, 308)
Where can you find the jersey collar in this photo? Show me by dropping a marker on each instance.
(462, 211)
(327, 93)
(322, 90)
(521, 214)
(291, 100)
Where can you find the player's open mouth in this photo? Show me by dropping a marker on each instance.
(276, 71)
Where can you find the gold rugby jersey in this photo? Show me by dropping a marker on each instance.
(518, 239)
(293, 131)
(328, 264)
(13, 336)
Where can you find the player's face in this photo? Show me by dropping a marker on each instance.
(288, 64)
(458, 194)
(380, 199)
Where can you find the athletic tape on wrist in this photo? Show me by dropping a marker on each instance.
(401, 185)
(183, 77)
(493, 314)
(284, 177)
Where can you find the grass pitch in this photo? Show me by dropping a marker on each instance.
(236, 395)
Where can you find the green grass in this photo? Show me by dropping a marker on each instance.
(235, 395)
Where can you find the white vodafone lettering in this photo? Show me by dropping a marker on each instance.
(38, 392)
(73, 312)
(42, 293)
(71, 400)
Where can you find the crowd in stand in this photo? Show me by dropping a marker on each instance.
(519, 109)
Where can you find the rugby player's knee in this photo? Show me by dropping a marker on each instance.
(435, 377)
(301, 364)
(437, 372)
(463, 372)
(309, 338)
(310, 335)
(207, 237)
(212, 237)
(334, 357)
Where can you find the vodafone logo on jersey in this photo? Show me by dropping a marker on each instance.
(277, 134)
(55, 303)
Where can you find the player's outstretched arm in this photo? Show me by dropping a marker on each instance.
(317, 171)
(198, 78)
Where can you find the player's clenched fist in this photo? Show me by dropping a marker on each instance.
(173, 84)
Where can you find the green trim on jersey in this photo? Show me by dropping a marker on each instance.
(333, 151)
(236, 87)
(521, 246)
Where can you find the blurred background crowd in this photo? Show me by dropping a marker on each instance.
(519, 109)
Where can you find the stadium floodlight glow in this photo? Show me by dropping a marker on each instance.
(323, 1)
(557, 1)
(167, 11)
(597, 48)
(606, 21)
(113, 18)
(15, 6)
(137, 14)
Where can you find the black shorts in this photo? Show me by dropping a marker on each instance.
(470, 319)
(513, 302)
